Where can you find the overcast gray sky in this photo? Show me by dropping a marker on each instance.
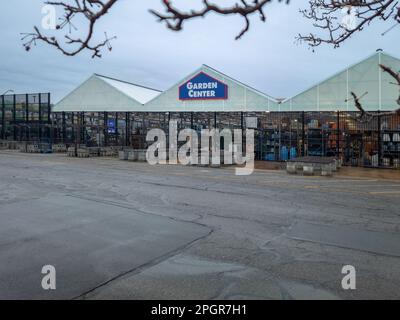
(145, 52)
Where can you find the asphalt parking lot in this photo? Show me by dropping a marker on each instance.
(124, 230)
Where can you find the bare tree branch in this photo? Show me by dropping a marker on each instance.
(92, 11)
(366, 116)
(329, 16)
(395, 75)
(174, 18)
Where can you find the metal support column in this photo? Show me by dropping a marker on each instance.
(379, 140)
(168, 137)
(191, 121)
(83, 128)
(338, 135)
(127, 129)
(116, 129)
(3, 119)
(48, 108)
(303, 134)
(14, 117)
(215, 120)
(242, 128)
(105, 129)
(49, 117)
(26, 126)
(64, 129)
(73, 126)
(78, 133)
(40, 118)
(26, 108)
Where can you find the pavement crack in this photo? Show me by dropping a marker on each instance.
(144, 266)
(140, 211)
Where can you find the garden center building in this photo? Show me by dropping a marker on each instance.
(321, 121)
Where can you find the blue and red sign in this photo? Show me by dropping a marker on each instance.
(111, 126)
(203, 87)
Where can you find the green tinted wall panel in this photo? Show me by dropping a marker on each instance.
(366, 79)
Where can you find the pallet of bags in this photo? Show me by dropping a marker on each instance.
(32, 148)
(123, 154)
(59, 148)
(71, 152)
(142, 155)
(94, 151)
(83, 153)
(116, 150)
(106, 152)
(23, 147)
(133, 155)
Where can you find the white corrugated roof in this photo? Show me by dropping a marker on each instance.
(139, 93)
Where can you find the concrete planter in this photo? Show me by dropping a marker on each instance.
(71, 152)
(24, 147)
(326, 173)
(299, 167)
(122, 155)
(59, 148)
(133, 155)
(308, 170)
(94, 151)
(32, 148)
(107, 152)
(141, 155)
(116, 149)
(291, 168)
(13, 145)
(83, 153)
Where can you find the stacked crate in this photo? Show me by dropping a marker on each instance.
(83, 153)
(107, 152)
(31, 148)
(133, 155)
(94, 151)
(71, 152)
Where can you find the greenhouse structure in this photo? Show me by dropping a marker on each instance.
(320, 121)
(25, 117)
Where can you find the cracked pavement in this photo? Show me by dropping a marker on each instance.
(124, 230)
